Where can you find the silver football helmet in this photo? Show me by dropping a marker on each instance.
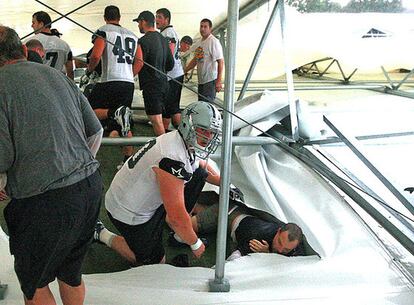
(200, 128)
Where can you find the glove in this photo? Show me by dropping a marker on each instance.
(236, 194)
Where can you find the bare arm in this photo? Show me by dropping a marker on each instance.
(98, 48)
(191, 65)
(69, 69)
(138, 61)
(220, 66)
(172, 194)
(213, 177)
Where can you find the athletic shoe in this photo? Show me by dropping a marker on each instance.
(123, 117)
(99, 226)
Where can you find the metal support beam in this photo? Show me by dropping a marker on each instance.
(236, 141)
(289, 76)
(249, 7)
(259, 50)
(353, 144)
(220, 284)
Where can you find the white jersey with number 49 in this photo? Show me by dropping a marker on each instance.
(118, 56)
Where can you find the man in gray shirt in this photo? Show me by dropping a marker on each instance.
(49, 136)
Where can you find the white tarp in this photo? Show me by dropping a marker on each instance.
(353, 267)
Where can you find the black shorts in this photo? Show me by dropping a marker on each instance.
(50, 233)
(154, 98)
(111, 95)
(172, 101)
(145, 240)
(208, 90)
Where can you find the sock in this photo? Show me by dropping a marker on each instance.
(178, 238)
(106, 237)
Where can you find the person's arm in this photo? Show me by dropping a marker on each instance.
(172, 194)
(97, 51)
(220, 65)
(191, 65)
(93, 128)
(69, 69)
(138, 60)
(94, 142)
(213, 177)
(3, 182)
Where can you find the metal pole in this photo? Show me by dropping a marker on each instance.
(352, 143)
(289, 76)
(258, 51)
(220, 284)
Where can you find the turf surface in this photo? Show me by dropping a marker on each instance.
(101, 259)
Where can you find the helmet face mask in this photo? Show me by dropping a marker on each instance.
(200, 128)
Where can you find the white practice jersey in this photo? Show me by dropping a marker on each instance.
(57, 51)
(134, 194)
(118, 56)
(172, 37)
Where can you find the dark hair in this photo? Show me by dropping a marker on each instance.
(208, 21)
(294, 231)
(34, 44)
(187, 39)
(165, 12)
(112, 13)
(56, 32)
(44, 17)
(10, 45)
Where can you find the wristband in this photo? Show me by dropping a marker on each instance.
(197, 245)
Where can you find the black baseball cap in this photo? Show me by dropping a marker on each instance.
(187, 39)
(146, 16)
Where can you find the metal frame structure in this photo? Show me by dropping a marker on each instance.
(220, 283)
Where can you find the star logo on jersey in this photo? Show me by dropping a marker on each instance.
(177, 172)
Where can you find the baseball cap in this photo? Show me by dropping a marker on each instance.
(187, 39)
(145, 15)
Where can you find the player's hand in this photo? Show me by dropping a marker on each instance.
(259, 246)
(3, 195)
(199, 252)
(219, 86)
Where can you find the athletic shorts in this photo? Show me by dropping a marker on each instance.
(50, 233)
(154, 98)
(172, 102)
(111, 95)
(145, 240)
(207, 220)
(208, 90)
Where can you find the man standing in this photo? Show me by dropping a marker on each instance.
(176, 75)
(154, 50)
(111, 99)
(208, 56)
(149, 188)
(48, 138)
(58, 54)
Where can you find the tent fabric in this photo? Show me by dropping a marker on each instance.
(353, 267)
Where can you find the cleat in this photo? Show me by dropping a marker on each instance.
(172, 242)
(123, 117)
(99, 226)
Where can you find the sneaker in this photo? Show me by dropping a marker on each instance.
(123, 117)
(99, 226)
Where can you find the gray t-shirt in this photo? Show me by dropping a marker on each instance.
(44, 123)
